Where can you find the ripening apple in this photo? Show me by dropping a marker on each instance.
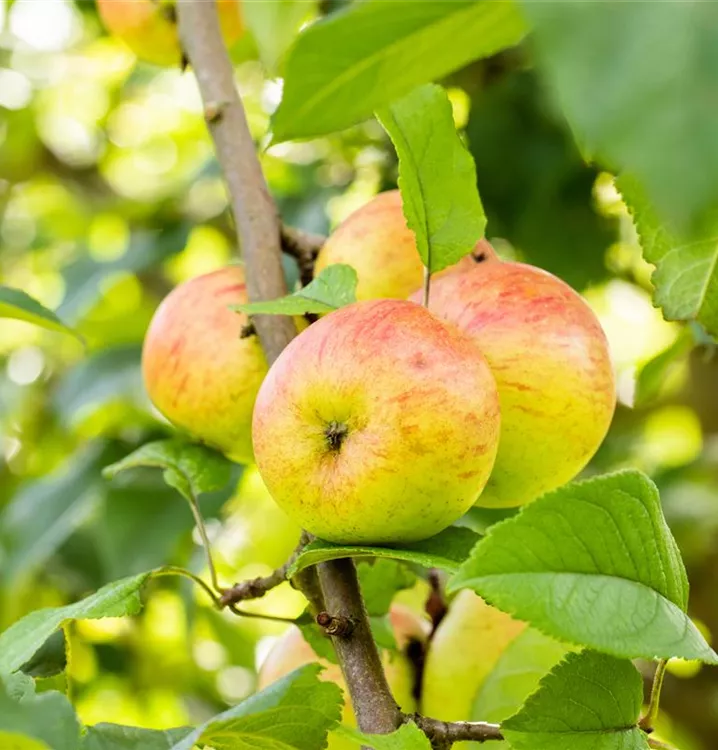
(149, 27)
(377, 243)
(550, 358)
(463, 652)
(199, 371)
(292, 651)
(378, 423)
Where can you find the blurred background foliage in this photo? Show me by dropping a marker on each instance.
(110, 195)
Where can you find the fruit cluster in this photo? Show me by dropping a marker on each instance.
(384, 422)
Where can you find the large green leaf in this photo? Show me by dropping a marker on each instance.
(294, 713)
(22, 639)
(407, 737)
(333, 288)
(343, 68)
(632, 79)
(686, 275)
(379, 580)
(446, 550)
(588, 702)
(437, 176)
(116, 737)
(190, 468)
(34, 721)
(595, 564)
(14, 303)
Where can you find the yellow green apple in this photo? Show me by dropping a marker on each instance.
(377, 243)
(377, 424)
(198, 368)
(292, 651)
(463, 652)
(149, 27)
(550, 358)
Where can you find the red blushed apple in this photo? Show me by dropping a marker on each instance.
(379, 423)
(551, 362)
(377, 243)
(199, 370)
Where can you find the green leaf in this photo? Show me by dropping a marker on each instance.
(407, 737)
(516, 674)
(23, 639)
(379, 580)
(335, 287)
(17, 685)
(44, 514)
(437, 176)
(644, 107)
(588, 702)
(294, 713)
(47, 718)
(190, 468)
(446, 550)
(274, 26)
(344, 67)
(16, 304)
(653, 374)
(686, 275)
(593, 563)
(116, 737)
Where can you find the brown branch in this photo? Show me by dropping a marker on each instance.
(254, 210)
(255, 588)
(304, 248)
(444, 734)
(375, 708)
(259, 237)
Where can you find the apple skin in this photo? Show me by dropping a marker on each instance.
(378, 424)
(463, 652)
(550, 358)
(148, 29)
(197, 369)
(291, 651)
(377, 243)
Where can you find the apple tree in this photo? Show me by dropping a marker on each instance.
(414, 305)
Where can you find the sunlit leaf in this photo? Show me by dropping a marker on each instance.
(344, 67)
(437, 176)
(14, 303)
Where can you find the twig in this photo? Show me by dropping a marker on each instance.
(259, 237)
(199, 522)
(443, 734)
(648, 721)
(255, 588)
(175, 570)
(304, 248)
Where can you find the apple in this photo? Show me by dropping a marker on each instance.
(292, 651)
(377, 424)
(462, 653)
(550, 358)
(198, 369)
(377, 243)
(149, 28)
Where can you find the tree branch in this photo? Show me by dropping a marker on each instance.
(443, 734)
(255, 213)
(259, 237)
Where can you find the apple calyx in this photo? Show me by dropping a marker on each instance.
(335, 433)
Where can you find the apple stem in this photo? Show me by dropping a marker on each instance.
(648, 721)
(427, 287)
